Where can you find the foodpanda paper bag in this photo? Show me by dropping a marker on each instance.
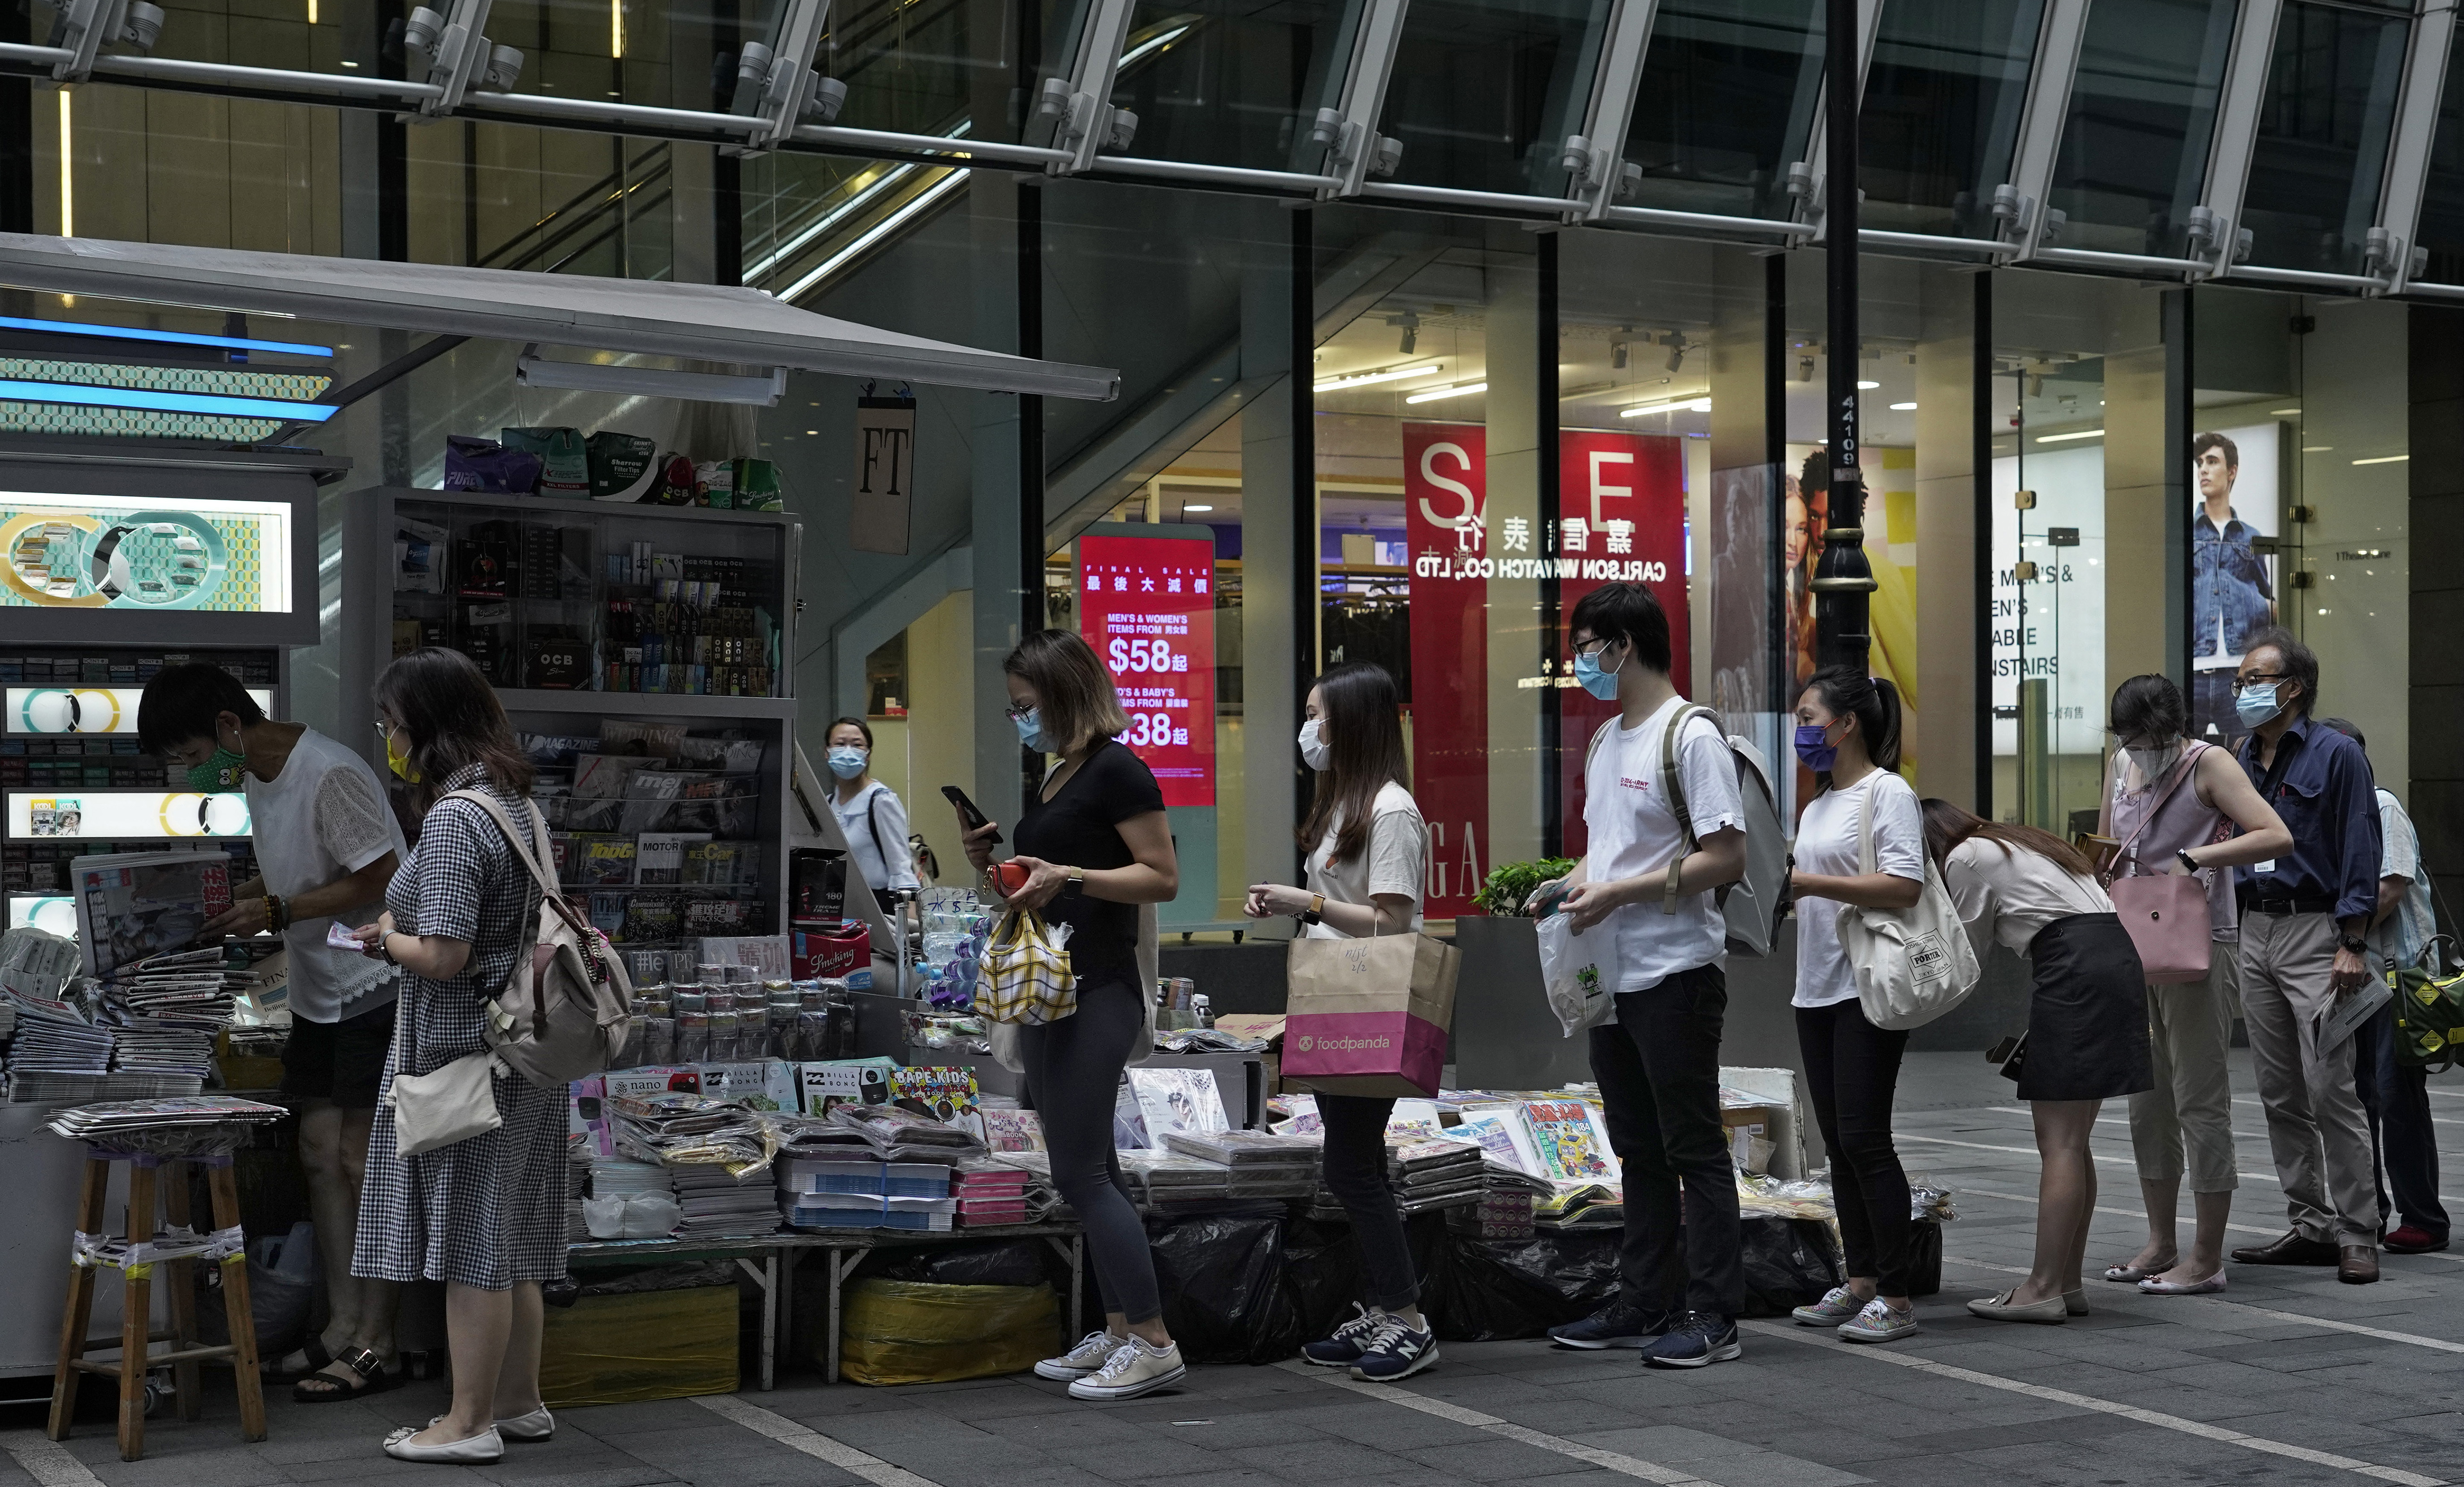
(1368, 1017)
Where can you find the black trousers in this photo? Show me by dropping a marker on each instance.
(1659, 1069)
(1851, 1070)
(1073, 1074)
(2398, 1102)
(1356, 1173)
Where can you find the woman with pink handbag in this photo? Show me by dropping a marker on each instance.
(2087, 1024)
(2175, 806)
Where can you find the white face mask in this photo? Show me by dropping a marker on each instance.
(2153, 763)
(1313, 749)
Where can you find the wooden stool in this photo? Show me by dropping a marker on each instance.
(135, 1257)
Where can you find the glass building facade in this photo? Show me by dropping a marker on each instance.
(1430, 316)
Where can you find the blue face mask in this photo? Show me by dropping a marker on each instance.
(1813, 746)
(847, 761)
(1588, 674)
(1031, 727)
(2256, 705)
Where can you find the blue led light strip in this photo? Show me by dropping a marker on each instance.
(172, 337)
(89, 396)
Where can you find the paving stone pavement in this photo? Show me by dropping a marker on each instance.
(2288, 1378)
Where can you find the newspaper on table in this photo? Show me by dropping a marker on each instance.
(134, 905)
(682, 1130)
(189, 1126)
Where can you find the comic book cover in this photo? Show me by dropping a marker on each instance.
(1569, 1143)
(948, 1095)
(1183, 1101)
(1013, 1130)
(1497, 1133)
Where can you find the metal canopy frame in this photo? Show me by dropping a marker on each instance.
(781, 105)
(700, 321)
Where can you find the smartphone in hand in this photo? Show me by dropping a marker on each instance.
(970, 817)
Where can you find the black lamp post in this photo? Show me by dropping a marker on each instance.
(1842, 577)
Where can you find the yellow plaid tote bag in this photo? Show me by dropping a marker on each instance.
(1027, 978)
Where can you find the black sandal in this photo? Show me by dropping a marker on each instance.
(314, 1349)
(323, 1389)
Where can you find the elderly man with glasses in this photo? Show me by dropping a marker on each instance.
(2304, 916)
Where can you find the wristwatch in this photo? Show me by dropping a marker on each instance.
(1077, 881)
(2354, 943)
(2188, 864)
(1315, 912)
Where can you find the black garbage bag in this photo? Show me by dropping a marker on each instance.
(1322, 1274)
(279, 1301)
(1788, 1262)
(1224, 1282)
(1021, 1262)
(1483, 1290)
(1925, 1257)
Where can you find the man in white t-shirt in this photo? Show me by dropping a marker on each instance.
(1646, 884)
(326, 846)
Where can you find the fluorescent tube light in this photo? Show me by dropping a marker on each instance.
(87, 395)
(1457, 391)
(1867, 386)
(879, 230)
(533, 370)
(1195, 507)
(1383, 374)
(2384, 459)
(2088, 433)
(1904, 408)
(167, 337)
(1667, 405)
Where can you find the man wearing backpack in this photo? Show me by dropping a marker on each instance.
(1667, 828)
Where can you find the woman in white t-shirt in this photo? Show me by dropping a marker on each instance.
(871, 816)
(2087, 1024)
(1368, 861)
(1848, 734)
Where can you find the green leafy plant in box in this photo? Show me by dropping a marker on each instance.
(1510, 883)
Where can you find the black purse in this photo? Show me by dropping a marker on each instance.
(2012, 1054)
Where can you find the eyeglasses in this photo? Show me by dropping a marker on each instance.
(2255, 680)
(1016, 710)
(1593, 646)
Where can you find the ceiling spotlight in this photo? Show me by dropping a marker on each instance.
(2035, 384)
(1805, 369)
(1677, 346)
(1410, 323)
(1617, 355)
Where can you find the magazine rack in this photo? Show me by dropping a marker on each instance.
(135, 1255)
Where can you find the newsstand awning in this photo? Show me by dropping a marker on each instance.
(696, 321)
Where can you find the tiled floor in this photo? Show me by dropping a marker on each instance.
(2288, 1378)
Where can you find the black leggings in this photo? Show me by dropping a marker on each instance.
(1073, 1072)
(1356, 1173)
(1851, 1070)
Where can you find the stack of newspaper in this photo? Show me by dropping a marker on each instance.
(716, 1204)
(120, 1120)
(880, 1133)
(51, 1037)
(681, 1130)
(1258, 1164)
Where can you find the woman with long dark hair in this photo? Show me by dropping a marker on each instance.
(2087, 1022)
(2173, 803)
(486, 1214)
(1848, 734)
(1368, 860)
(1095, 845)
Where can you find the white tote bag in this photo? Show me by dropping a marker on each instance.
(1911, 964)
(1579, 972)
(455, 1103)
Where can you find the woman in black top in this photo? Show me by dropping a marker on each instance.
(1095, 845)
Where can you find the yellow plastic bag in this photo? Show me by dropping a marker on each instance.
(650, 1345)
(908, 1332)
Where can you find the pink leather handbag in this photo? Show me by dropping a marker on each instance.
(2165, 913)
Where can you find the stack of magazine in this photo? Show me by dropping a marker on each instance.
(718, 1205)
(680, 1130)
(1258, 1165)
(126, 1118)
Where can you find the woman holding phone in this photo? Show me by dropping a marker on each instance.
(1091, 847)
(1368, 860)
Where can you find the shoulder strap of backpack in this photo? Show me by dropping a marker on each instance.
(1672, 789)
(549, 889)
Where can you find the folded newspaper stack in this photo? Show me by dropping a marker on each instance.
(1258, 1164)
(194, 1125)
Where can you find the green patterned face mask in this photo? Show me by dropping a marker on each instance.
(223, 771)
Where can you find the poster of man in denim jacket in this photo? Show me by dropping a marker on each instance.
(2232, 586)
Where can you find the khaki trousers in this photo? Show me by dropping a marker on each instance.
(2184, 1126)
(2314, 1124)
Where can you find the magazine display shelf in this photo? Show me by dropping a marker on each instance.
(576, 628)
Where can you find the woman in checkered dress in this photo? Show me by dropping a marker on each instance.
(486, 1214)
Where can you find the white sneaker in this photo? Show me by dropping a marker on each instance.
(1879, 1322)
(1136, 1367)
(1082, 1359)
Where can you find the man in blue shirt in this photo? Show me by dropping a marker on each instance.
(2304, 916)
(2231, 598)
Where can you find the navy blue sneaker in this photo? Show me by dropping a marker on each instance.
(1396, 1350)
(1350, 1340)
(1618, 1325)
(1702, 1339)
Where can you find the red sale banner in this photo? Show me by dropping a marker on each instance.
(1445, 469)
(1620, 519)
(1147, 606)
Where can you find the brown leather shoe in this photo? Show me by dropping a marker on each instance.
(2358, 1264)
(2293, 1249)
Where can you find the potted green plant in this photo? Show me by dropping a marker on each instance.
(1506, 1037)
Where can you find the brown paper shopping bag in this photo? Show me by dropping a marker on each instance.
(1368, 1017)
